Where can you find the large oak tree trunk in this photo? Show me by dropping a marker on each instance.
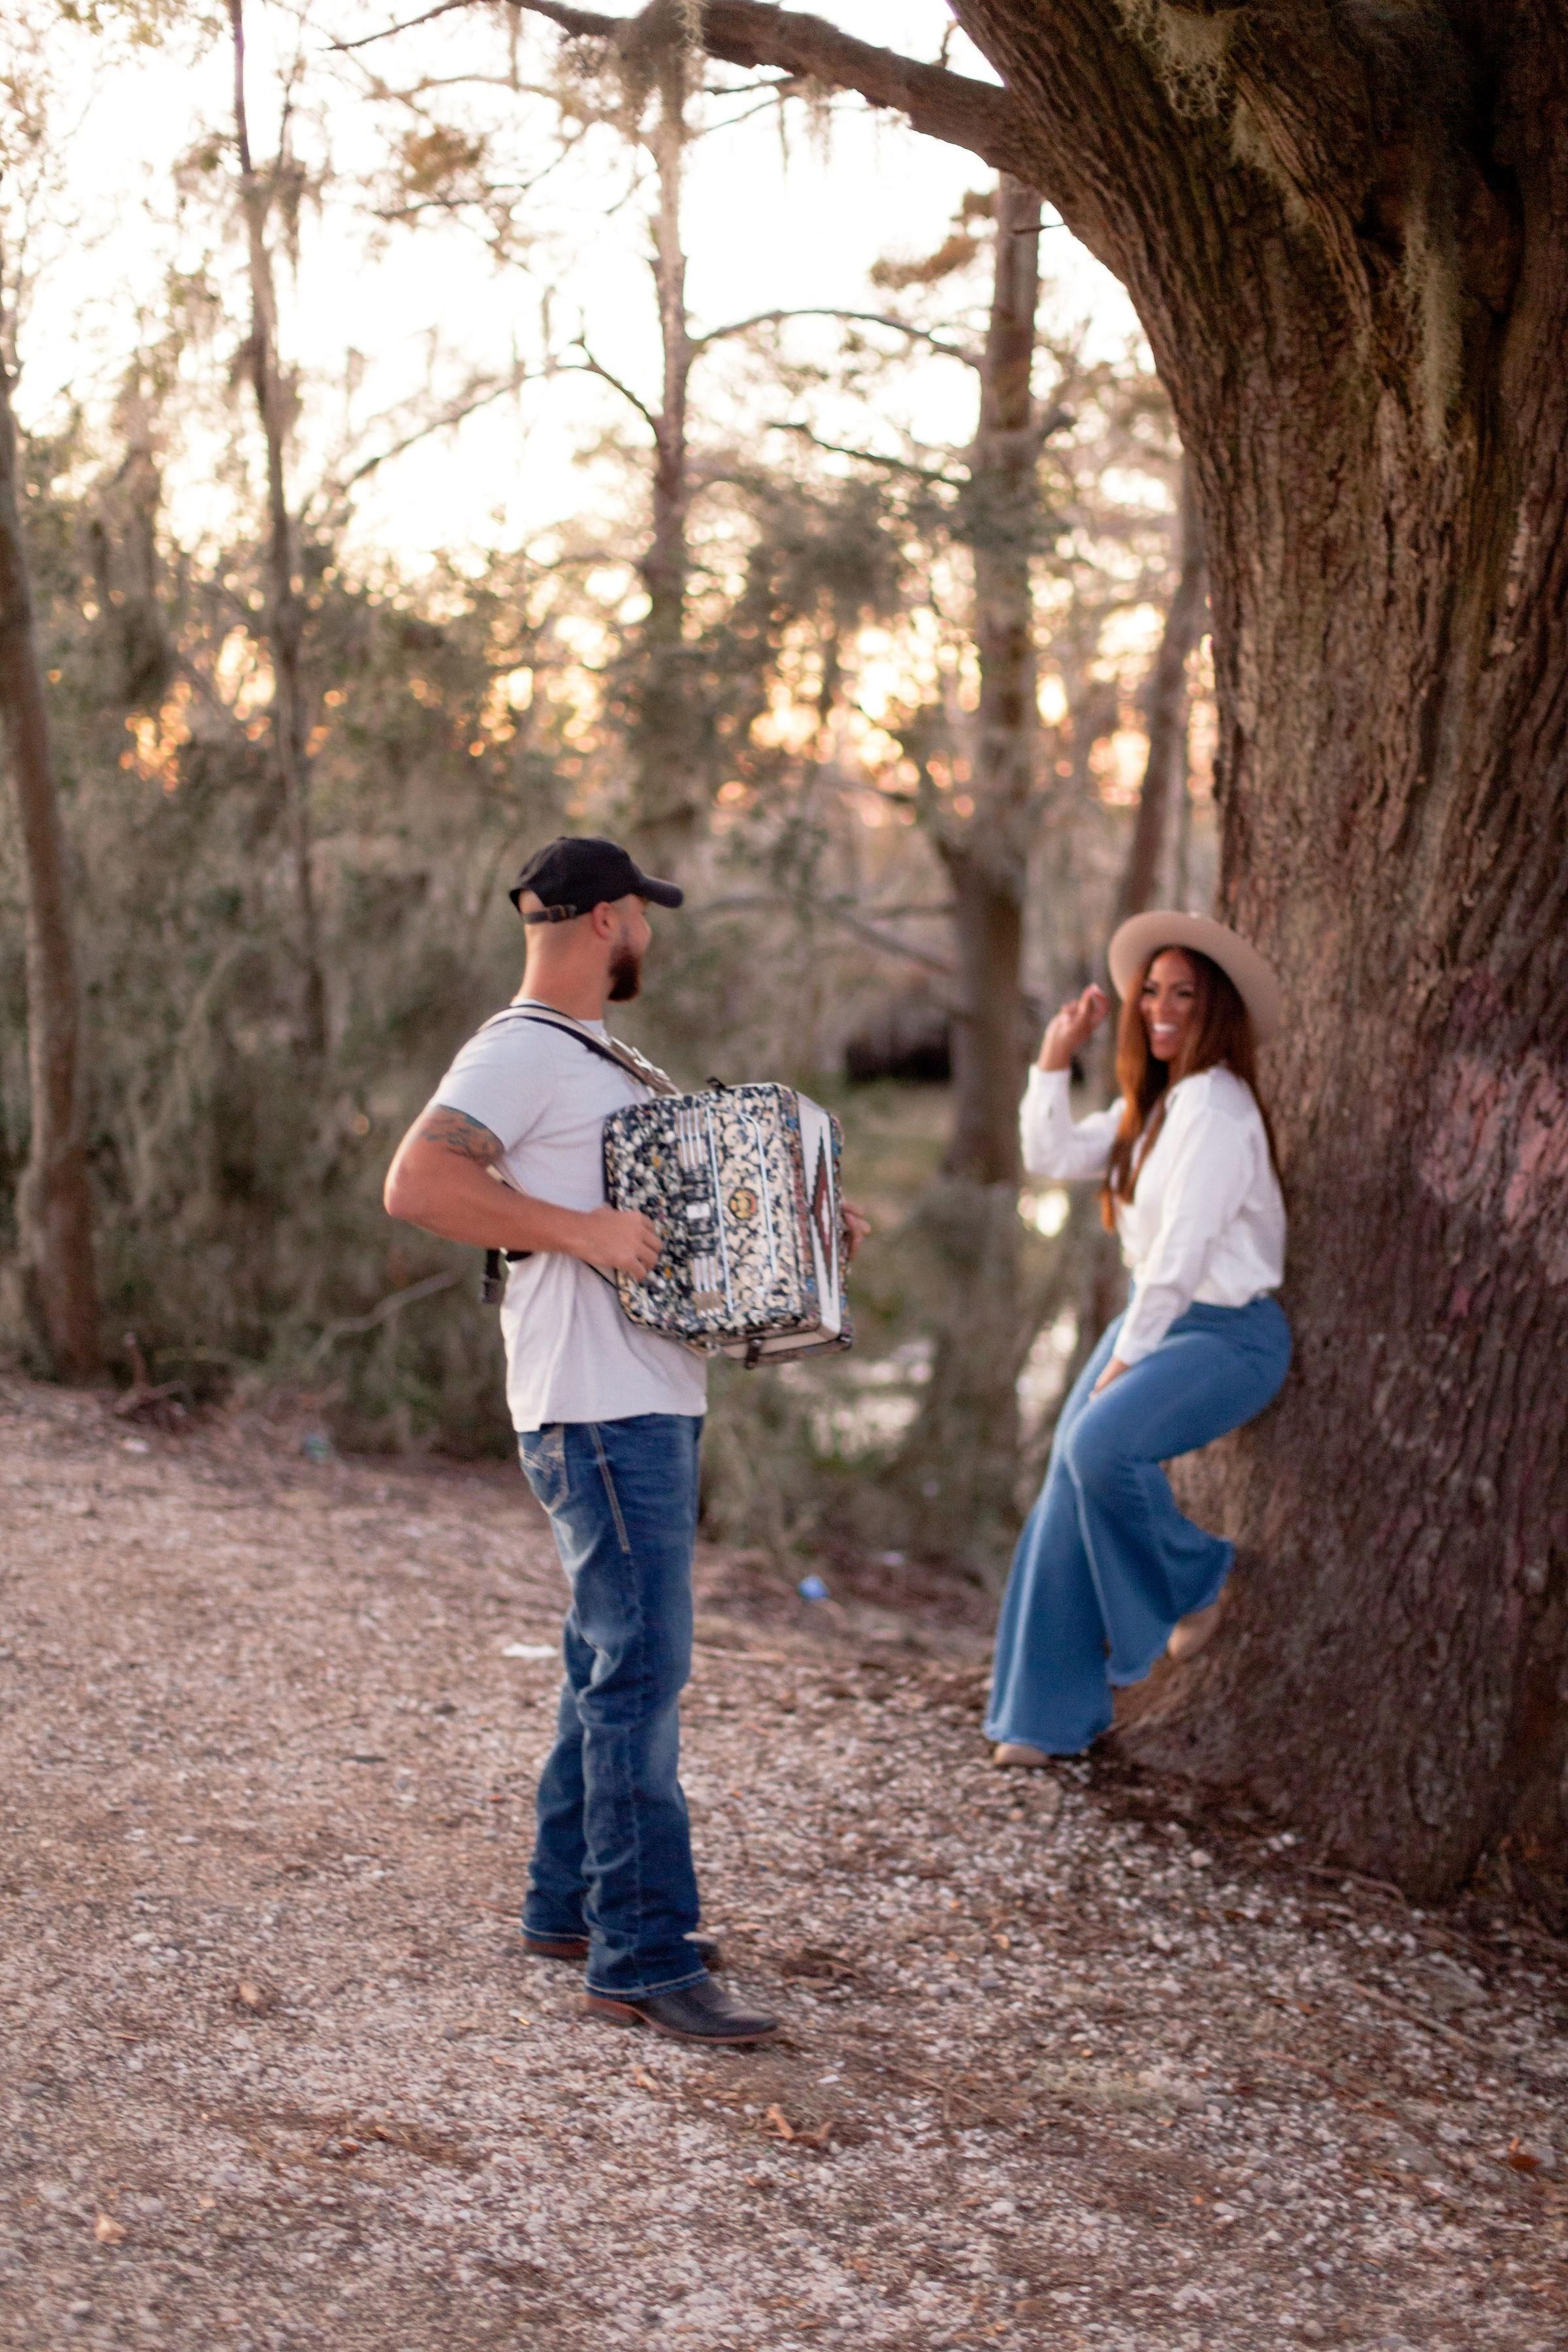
(54, 1208)
(1345, 235)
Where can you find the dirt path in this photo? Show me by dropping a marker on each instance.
(1058, 2072)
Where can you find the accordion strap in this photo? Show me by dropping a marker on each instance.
(609, 1049)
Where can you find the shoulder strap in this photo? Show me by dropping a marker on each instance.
(609, 1049)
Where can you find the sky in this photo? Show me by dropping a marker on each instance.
(378, 316)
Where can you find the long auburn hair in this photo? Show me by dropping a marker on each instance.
(1222, 1034)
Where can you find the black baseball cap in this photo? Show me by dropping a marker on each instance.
(583, 870)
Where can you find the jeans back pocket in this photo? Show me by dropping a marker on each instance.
(542, 1452)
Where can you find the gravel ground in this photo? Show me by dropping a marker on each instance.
(1063, 2068)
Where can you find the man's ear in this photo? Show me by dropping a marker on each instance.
(605, 919)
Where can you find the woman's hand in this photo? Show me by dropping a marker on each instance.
(857, 1227)
(1113, 1371)
(1073, 1027)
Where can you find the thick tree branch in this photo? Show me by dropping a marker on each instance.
(954, 108)
(944, 105)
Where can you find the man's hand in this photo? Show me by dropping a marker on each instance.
(856, 1229)
(622, 1241)
(1113, 1371)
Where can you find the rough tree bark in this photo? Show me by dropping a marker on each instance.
(54, 1208)
(968, 1423)
(285, 616)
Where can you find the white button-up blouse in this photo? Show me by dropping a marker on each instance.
(1206, 1222)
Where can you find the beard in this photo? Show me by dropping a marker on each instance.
(625, 976)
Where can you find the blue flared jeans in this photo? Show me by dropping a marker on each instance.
(1107, 1563)
(612, 1857)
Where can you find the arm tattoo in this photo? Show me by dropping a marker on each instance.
(454, 1131)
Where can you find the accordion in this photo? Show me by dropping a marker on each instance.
(742, 1183)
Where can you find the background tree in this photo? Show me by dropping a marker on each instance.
(54, 1208)
(54, 1304)
(969, 1418)
(259, 194)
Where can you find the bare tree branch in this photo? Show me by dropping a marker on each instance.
(867, 457)
(865, 317)
(378, 1315)
(466, 403)
(589, 365)
(847, 921)
(407, 25)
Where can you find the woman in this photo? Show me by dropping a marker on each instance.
(1107, 1565)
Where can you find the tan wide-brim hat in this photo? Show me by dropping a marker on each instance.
(1142, 936)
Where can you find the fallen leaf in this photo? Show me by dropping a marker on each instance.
(257, 1998)
(780, 2122)
(1523, 2159)
(108, 2231)
(643, 2079)
(207, 2204)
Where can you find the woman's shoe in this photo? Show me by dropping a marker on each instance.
(1194, 1634)
(1013, 1754)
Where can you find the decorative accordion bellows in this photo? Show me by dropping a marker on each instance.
(742, 1183)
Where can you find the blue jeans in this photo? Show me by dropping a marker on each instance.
(613, 1854)
(1107, 1563)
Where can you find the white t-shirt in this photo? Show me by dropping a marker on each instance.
(571, 1353)
(1206, 1221)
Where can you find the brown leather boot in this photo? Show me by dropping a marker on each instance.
(703, 2012)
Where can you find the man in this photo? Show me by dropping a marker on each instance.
(608, 1418)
